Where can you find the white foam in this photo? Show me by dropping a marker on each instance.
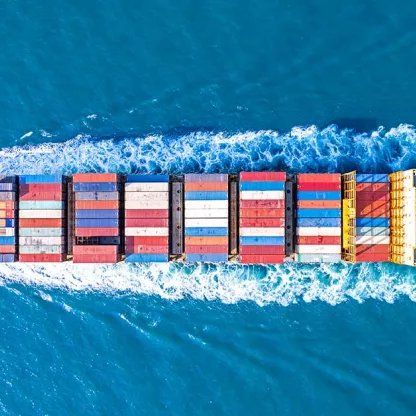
(28, 134)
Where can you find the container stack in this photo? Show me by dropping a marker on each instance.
(262, 217)
(97, 219)
(147, 218)
(373, 218)
(318, 233)
(42, 216)
(8, 211)
(206, 217)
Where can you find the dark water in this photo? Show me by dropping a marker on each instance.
(208, 86)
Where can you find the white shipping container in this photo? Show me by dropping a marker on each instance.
(41, 213)
(147, 196)
(318, 231)
(262, 232)
(318, 249)
(206, 213)
(207, 204)
(41, 249)
(41, 241)
(262, 195)
(206, 222)
(318, 258)
(372, 240)
(147, 187)
(147, 231)
(7, 232)
(41, 232)
(146, 205)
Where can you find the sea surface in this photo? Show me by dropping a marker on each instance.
(181, 86)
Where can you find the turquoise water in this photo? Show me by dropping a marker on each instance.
(175, 87)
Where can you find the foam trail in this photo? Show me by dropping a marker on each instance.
(230, 283)
(301, 150)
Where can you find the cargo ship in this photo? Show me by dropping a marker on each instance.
(251, 218)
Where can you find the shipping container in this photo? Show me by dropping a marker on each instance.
(30, 179)
(319, 222)
(41, 205)
(318, 213)
(7, 258)
(318, 249)
(372, 249)
(262, 213)
(41, 213)
(205, 205)
(56, 249)
(206, 231)
(211, 257)
(146, 205)
(262, 250)
(203, 249)
(146, 240)
(319, 186)
(372, 231)
(318, 231)
(41, 223)
(147, 196)
(324, 195)
(373, 257)
(41, 241)
(148, 249)
(264, 203)
(96, 213)
(147, 258)
(9, 213)
(319, 177)
(7, 178)
(9, 223)
(318, 258)
(373, 212)
(41, 258)
(95, 258)
(262, 176)
(147, 222)
(94, 177)
(149, 231)
(7, 232)
(97, 196)
(41, 232)
(42, 196)
(373, 196)
(96, 232)
(96, 187)
(262, 186)
(261, 259)
(7, 196)
(372, 177)
(206, 222)
(206, 186)
(7, 241)
(262, 232)
(7, 187)
(262, 222)
(206, 196)
(316, 240)
(147, 178)
(97, 205)
(48, 188)
(373, 222)
(262, 241)
(372, 239)
(111, 250)
(96, 222)
(147, 213)
(262, 195)
(319, 204)
(7, 205)
(372, 187)
(146, 187)
(199, 241)
(206, 177)
(8, 249)
(207, 213)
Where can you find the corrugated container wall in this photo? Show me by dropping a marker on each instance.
(8, 211)
(206, 217)
(318, 229)
(97, 218)
(147, 218)
(262, 217)
(42, 200)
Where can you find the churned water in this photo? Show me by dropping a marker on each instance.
(213, 86)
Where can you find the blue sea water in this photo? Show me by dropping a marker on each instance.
(211, 86)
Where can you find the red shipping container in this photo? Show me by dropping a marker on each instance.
(145, 240)
(262, 222)
(372, 257)
(148, 249)
(7, 205)
(96, 232)
(147, 222)
(96, 258)
(319, 186)
(94, 177)
(318, 240)
(42, 223)
(206, 186)
(265, 213)
(210, 241)
(319, 177)
(372, 249)
(147, 213)
(373, 209)
(40, 187)
(263, 176)
(41, 196)
(97, 204)
(262, 249)
(107, 250)
(319, 204)
(7, 249)
(41, 258)
(271, 203)
(261, 259)
(373, 187)
(373, 196)
(207, 249)
(8, 213)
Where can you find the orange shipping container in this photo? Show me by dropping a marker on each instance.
(373, 187)
(375, 209)
(42, 223)
(97, 204)
(206, 186)
(95, 177)
(200, 241)
(372, 249)
(319, 177)
(262, 222)
(319, 204)
(265, 213)
(7, 249)
(318, 240)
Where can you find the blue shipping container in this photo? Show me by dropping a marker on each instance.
(9, 223)
(109, 241)
(320, 195)
(206, 231)
(319, 222)
(147, 258)
(262, 186)
(262, 241)
(7, 179)
(147, 178)
(372, 178)
(206, 196)
(213, 258)
(96, 213)
(96, 186)
(97, 196)
(26, 179)
(7, 258)
(372, 222)
(7, 186)
(97, 223)
(318, 213)
(7, 241)
(32, 205)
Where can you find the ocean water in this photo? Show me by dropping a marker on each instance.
(212, 86)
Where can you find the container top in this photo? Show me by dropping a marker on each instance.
(147, 178)
(95, 177)
(263, 176)
(206, 177)
(27, 179)
(7, 179)
(372, 178)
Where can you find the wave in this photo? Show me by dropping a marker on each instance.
(303, 149)
(229, 283)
